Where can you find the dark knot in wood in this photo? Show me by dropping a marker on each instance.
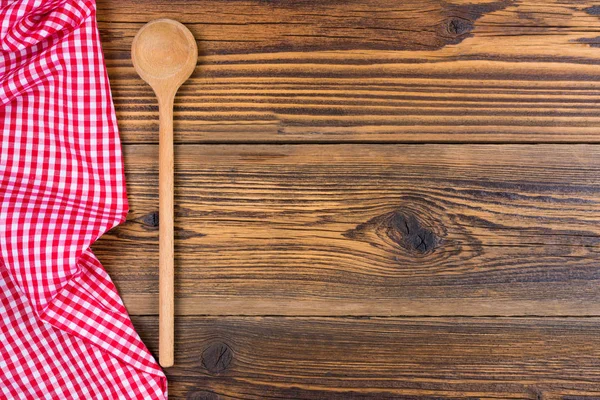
(151, 219)
(397, 228)
(217, 357)
(459, 26)
(202, 395)
(593, 10)
(407, 231)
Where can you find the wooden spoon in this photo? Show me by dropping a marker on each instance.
(164, 54)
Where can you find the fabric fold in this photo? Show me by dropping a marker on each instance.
(62, 186)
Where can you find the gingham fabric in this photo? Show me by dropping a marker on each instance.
(64, 332)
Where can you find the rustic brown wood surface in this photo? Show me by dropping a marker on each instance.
(383, 199)
(382, 229)
(385, 70)
(383, 358)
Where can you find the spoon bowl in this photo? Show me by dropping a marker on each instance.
(164, 54)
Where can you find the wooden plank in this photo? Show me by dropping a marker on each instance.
(367, 230)
(409, 71)
(241, 27)
(382, 358)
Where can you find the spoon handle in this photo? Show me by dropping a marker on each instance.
(166, 247)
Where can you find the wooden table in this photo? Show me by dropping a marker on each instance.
(374, 199)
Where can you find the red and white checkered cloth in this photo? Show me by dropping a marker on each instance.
(64, 331)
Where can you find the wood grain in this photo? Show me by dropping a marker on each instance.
(390, 71)
(367, 230)
(383, 358)
(320, 254)
(274, 26)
